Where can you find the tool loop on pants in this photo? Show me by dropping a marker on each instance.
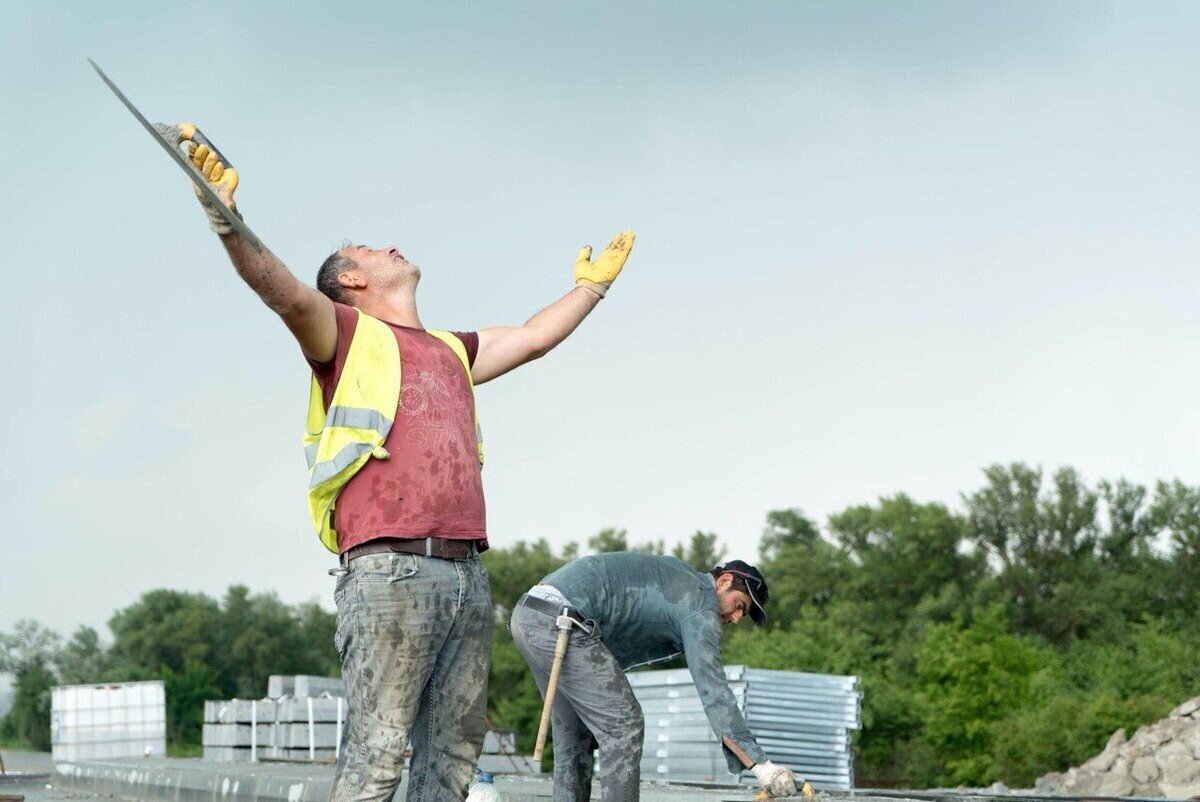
(585, 625)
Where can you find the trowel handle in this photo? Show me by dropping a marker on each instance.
(200, 139)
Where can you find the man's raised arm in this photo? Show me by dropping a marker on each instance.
(505, 347)
(307, 313)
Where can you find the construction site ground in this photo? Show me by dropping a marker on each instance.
(192, 780)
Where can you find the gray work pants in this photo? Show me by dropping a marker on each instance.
(594, 706)
(415, 637)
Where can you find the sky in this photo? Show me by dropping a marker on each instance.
(880, 246)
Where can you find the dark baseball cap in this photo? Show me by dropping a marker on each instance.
(756, 586)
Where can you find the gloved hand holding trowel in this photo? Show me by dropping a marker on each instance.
(778, 781)
(213, 167)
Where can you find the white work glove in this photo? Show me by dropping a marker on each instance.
(775, 780)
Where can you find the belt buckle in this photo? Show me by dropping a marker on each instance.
(428, 547)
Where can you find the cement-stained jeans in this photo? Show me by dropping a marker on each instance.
(415, 636)
(594, 706)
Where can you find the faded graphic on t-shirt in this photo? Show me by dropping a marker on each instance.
(426, 401)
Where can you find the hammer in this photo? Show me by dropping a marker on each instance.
(563, 624)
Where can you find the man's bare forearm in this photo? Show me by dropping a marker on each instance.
(264, 273)
(556, 322)
(307, 313)
(505, 347)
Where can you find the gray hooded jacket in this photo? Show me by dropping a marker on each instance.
(651, 608)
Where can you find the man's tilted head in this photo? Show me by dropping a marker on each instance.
(353, 272)
(741, 590)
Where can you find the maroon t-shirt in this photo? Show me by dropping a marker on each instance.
(430, 486)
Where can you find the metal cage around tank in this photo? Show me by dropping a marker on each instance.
(108, 720)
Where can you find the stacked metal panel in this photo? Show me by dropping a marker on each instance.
(304, 685)
(305, 724)
(123, 719)
(288, 728)
(801, 720)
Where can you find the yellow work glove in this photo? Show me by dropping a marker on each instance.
(220, 179)
(599, 275)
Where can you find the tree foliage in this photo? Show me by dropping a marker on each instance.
(28, 719)
(968, 678)
(609, 540)
(702, 551)
(83, 659)
(28, 644)
(1001, 640)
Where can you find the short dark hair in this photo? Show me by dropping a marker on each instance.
(327, 276)
(739, 582)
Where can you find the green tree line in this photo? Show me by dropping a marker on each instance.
(200, 647)
(996, 640)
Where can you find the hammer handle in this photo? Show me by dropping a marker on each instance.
(560, 650)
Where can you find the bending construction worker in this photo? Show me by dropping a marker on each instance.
(630, 609)
(394, 455)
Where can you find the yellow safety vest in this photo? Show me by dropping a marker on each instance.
(340, 440)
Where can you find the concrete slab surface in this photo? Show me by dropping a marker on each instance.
(195, 780)
(160, 779)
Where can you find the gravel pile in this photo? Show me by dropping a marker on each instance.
(1161, 759)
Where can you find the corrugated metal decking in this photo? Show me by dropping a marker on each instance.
(802, 720)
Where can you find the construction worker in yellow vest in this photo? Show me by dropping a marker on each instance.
(394, 452)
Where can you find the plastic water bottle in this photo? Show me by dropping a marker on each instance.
(483, 789)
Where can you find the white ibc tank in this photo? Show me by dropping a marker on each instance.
(125, 719)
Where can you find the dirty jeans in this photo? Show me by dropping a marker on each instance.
(593, 706)
(415, 637)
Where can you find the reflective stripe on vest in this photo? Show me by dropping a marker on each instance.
(351, 417)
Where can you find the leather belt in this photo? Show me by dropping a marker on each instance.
(549, 607)
(440, 547)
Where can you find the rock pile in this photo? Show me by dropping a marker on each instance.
(1161, 759)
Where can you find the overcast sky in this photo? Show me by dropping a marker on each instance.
(879, 247)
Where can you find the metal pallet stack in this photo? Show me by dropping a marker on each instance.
(301, 720)
(304, 685)
(295, 728)
(803, 721)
